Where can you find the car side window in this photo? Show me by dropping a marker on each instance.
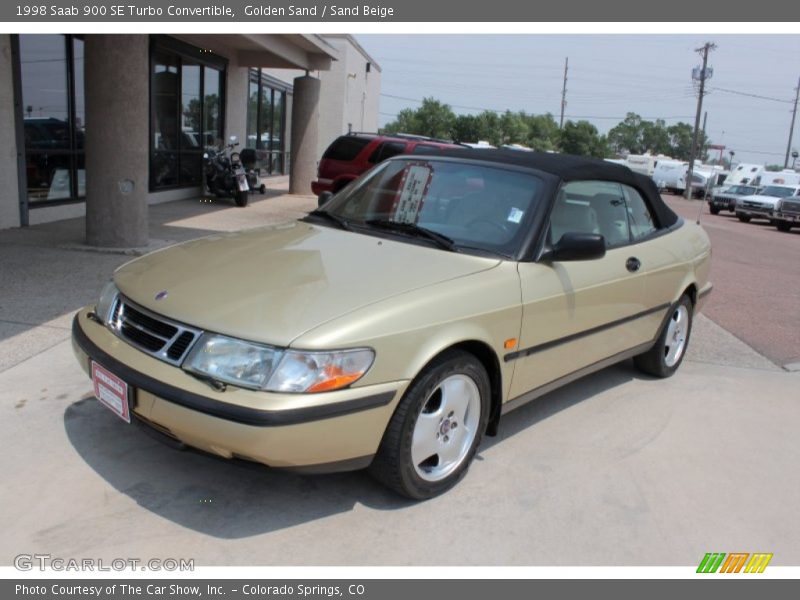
(591, 207)
(640, 218)
(386, 150)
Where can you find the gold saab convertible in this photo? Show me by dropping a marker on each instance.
(392, 327)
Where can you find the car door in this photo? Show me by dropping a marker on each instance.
(578, 313)
(661, 266)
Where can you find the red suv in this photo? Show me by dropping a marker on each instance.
(352, 154)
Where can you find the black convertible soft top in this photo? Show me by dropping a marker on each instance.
(571, 168)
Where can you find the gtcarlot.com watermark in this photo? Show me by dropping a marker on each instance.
(43, 562)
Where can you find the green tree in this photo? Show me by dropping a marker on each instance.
(433, 119)
(655, 137)
(582, 138)
(513, 128)
(680, 140)
(543, 133)
(627, 136)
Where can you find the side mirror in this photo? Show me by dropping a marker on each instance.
(578, 246)
(323, 198)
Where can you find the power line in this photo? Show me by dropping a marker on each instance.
(760, 97)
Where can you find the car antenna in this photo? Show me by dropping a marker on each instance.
(703, 201)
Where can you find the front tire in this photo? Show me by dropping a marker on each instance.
(783, 226)
(714, 210)
(666, 355)
(436, 429)
(241, 198)
(743, 218)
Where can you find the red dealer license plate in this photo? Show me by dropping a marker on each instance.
(111, 391)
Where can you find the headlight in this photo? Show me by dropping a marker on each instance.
(233, 361)
(262, 367)
(320, 371)
(106, 302)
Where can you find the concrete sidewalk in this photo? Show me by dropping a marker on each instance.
(615, 469)
(48, 273)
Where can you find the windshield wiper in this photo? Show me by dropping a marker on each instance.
(340, 221)
(415, 230)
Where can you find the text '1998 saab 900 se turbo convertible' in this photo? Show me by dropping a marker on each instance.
(393, 326)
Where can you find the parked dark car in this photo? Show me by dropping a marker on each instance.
(352, 154)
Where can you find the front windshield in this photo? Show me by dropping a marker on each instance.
(478, 207)
(743, 190)
(777, 190)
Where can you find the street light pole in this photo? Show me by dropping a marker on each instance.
(705, 49)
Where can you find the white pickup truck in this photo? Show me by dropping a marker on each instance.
(764, 204)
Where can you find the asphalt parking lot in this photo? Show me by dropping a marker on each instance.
(756, 280)
(615, 469)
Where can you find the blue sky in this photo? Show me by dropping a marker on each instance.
(609, 75)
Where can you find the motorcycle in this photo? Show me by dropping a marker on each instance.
(224, 173)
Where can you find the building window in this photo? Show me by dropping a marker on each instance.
(266, 122)
(53, 118)
(186, 108)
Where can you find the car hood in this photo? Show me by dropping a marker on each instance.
(273, 284)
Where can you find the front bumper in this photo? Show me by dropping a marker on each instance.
(332, 431)
(723, 203)
(757, 213)
(788, 217)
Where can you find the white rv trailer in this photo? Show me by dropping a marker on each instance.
(641, 163)
(744, 174)
(785, 177)
(670, 175)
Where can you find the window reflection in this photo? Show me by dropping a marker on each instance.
(266, 123)
(186, 117)
(53, 119)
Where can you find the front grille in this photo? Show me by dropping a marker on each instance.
(790, 206)
(180, 345)
(160, 337)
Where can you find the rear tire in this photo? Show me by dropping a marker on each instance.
(241, 198)
(436, 428)
(664, 358)
(783, 226)
(743, 218)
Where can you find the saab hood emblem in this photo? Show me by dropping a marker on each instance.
(161, 295)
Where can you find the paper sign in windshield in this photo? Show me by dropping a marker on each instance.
(411, 196)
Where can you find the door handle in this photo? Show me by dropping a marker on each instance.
(633, 264)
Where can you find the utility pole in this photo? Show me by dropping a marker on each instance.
(791, 129)
(564, 93)
(703, 137)
(705, 49)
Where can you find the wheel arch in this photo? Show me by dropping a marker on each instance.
(486, 355)
(691, 291)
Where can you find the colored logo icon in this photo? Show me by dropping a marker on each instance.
(736, 562)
